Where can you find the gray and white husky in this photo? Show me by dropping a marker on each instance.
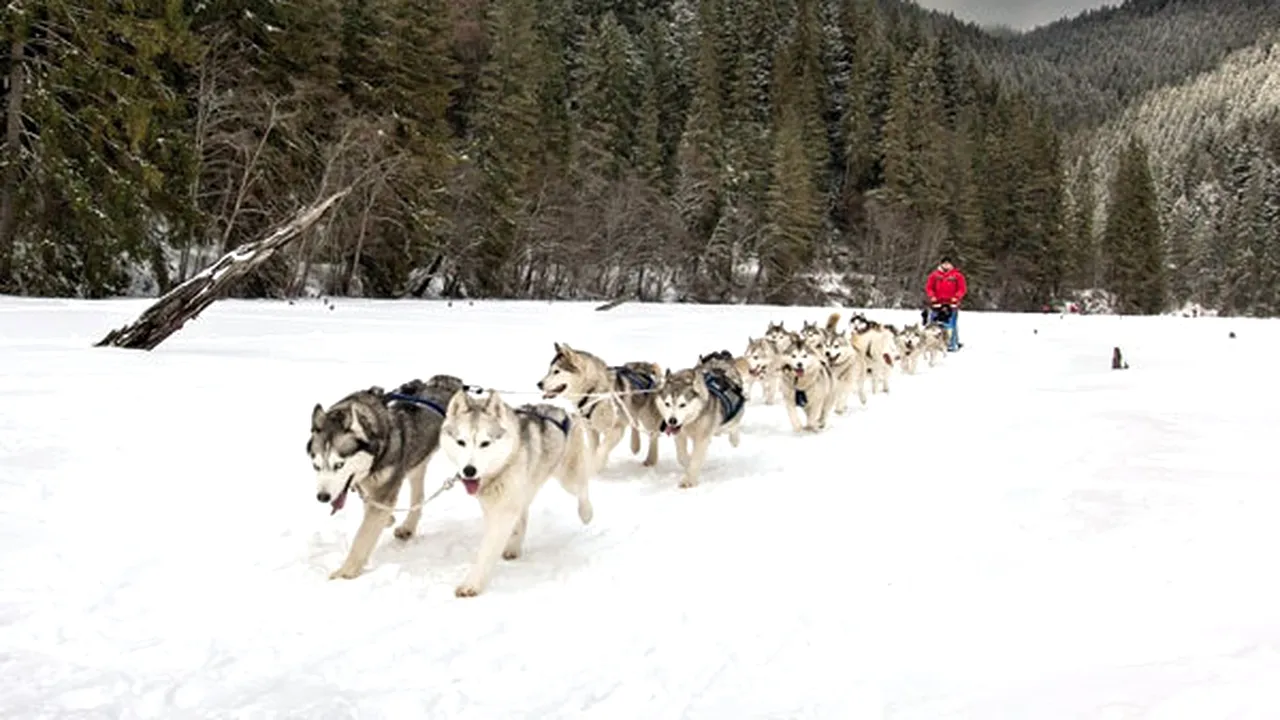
(371, 441)
(812, 334)
(503, 456)
(877, 344)
(934, 342)
(697, 404)
(760, 365)
(910, 346)
(848, 370)
(808, 385)
(779, 335)
(610, 398)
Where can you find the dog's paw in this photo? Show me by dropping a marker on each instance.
(404, 533)
(344, 573)
(466, 590)
(510, 554)
(585, 511)
(688, 482)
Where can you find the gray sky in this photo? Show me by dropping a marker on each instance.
(1017, 14)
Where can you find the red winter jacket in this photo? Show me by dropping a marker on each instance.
(945, 287)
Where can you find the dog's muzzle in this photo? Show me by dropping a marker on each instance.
(470, 479)
(548, 394)
(670, 427)
(340, 500)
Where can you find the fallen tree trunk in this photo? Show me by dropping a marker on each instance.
(168, 314)
(613, 303)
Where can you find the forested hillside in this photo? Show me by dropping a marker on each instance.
(697, 150)
(1089, 68)
(1215, 150)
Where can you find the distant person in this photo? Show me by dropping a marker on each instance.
(946, 288)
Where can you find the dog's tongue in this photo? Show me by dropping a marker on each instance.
(672, 429)
(339, 501)
(472, 486)
(799, 372)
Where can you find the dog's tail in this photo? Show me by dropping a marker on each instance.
(832, 321)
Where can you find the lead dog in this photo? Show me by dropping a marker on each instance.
(504, 456)
(371, 441)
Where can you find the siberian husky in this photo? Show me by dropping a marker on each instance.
(697, 404)
(877, 345)
(933, 342)
(503, 457)
(370, 441)
(585, 379)
(808, 385)
(760, 365)
(910, 345)
(812, 334)
(848, 369)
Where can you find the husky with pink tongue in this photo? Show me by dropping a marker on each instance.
(697, 404)
(371, 441)
(503, 456)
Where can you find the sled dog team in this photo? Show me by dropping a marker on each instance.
(372, 441)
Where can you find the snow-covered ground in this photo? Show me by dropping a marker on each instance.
(1019, 532)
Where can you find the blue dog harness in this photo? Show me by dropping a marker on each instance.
(730, 395)
(637, 380)
(415, 400)
(532, 412)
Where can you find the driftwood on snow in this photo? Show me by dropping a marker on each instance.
(168, 314)
(613, 303)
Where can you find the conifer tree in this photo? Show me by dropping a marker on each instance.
(1132, 239)
(503, 145)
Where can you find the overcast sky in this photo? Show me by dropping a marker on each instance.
(1017, 14)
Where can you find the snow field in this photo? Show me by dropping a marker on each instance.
(1019, 532)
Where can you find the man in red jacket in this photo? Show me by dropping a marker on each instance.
(946, 287)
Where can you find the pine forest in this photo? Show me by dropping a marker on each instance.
(707, 151)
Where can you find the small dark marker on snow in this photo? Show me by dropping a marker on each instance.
(1117, 360)
(1232, 334)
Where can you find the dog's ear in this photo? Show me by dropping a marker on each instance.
(569, 358)
(492, 403)
(458, 402)
(317, 417)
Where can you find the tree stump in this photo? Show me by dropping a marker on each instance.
(1117, 360)
(168, 314)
